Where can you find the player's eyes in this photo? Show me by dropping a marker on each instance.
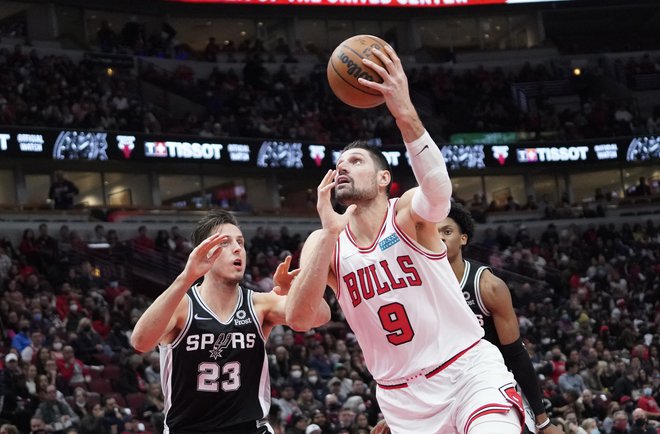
(224, 244)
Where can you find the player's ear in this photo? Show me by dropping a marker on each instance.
(384, 177)
(464, 239)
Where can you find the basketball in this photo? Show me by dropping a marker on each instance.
(345, 67)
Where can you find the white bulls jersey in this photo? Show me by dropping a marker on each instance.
(403, 303)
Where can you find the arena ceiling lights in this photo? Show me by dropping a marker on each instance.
(378, 3)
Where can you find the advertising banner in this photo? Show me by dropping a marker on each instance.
(100, 146)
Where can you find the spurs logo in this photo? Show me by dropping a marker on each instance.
(220, 344)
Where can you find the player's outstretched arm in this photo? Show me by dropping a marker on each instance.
(307, 289)
(497, 299)
(430, 202)
(161, 317)
(274, 303)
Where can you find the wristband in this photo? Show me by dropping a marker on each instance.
(543, 425)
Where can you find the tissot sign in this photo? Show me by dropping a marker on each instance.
(99, 146)
(376, 3)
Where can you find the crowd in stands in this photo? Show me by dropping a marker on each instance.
(587, 299)
(250, 100)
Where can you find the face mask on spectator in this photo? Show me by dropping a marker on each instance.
(73, 308)
(594, 431)
(296, 374)
(57, 346)
(640, 422)
(313, 379)
(648, 391)
(37, 317)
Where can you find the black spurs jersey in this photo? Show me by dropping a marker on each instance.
(470, 287)
(215, 374)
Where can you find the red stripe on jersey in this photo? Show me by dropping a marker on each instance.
(373, 245)
(450, 361)
(484, 410)
(413, 245)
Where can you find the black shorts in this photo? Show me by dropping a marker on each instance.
(242, 428)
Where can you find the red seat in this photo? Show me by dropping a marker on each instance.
(135, 402)
(101, 386)
(112, 372)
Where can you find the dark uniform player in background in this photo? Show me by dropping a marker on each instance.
(490, 300)
(212, 336)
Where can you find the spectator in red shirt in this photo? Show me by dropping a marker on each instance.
(648, 403)
(72, 371)
(143, 243)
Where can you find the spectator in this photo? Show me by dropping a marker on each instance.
(154, 406)
(307, 403)
(22, 339)
(621, 425)
(648, 403)
(152, 371)
(640, 423)
(571, 380)
(62, 191)
(72, 371)
(8, 429)
(88, 344)
(113, 418)
(287, 402)
(94, 421)
(56, 414)
(81, 405)
(37, 425)
(132, 378)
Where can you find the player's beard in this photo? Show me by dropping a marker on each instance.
(350, 194)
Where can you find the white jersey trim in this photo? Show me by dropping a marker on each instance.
(253, 312)
(412, 243)
(239, 301)
(373, 245)
(477, 291)
(466, 273)
(166, 380)
(186, 326)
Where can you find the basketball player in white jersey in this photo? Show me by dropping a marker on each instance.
(490, 300)
(212, 336)
(388, 267)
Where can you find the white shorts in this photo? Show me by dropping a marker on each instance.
(474, 384)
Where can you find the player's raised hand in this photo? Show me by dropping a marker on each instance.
(283, 277)
(395, 82)
(203, 256)
(330, 219)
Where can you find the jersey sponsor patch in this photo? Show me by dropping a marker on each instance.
(388, 242)
(241, 318)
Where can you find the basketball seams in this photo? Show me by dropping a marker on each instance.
(334, 68)
(349, 54)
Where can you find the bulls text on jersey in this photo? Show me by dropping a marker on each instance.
(380, 278)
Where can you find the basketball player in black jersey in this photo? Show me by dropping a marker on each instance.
(490, 300)
(211, 334)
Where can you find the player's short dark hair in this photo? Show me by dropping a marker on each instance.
(213, 219)
(463, 219)
(376, 155)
